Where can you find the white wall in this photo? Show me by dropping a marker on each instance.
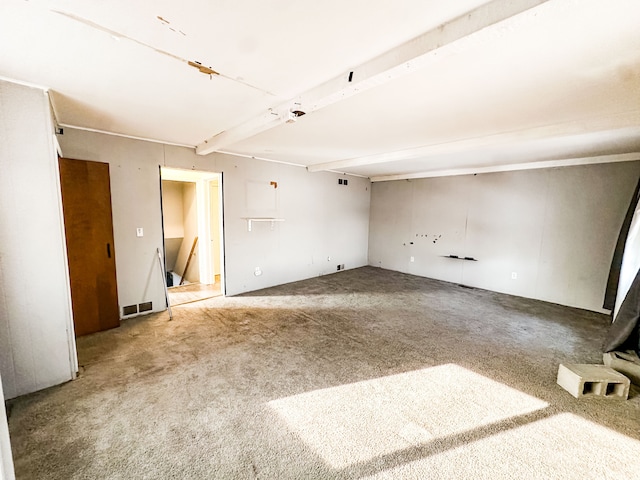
(322, 219)
(36, 339)
(172, 209)
(214, 208)
(555, 228)
(190, 228)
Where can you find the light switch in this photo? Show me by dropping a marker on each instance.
(139, 232)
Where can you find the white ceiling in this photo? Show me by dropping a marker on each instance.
(438, 87)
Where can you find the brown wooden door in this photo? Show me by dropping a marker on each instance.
(86, 202)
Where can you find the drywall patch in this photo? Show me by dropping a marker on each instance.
(261, 199)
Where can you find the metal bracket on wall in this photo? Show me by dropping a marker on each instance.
(456, 257)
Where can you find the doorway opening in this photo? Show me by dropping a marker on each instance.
(192, 218)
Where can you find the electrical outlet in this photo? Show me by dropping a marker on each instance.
(257, 272)
(412, 259)
(139, 232)
(514, 275)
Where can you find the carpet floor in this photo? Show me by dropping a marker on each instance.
(365, 374)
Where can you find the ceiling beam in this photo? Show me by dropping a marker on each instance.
(217, 143)
(606, 124)
(400, 61)
(568, 162)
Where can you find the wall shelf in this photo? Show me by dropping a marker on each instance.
(457, 257)
(272, 220)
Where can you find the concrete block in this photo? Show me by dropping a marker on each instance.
(593, 381)
(626, 363)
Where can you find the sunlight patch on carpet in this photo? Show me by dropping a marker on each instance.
(358, 422)
(562, 446)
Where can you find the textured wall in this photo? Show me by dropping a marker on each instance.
(555, 229)
(190, 232)
(37, 348)
(173, 209)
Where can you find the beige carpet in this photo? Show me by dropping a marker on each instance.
(362, 374)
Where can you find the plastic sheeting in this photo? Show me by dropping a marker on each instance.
(624, 333)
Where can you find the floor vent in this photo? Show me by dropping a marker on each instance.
(145, 307)
(129, 310)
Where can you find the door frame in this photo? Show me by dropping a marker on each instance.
(71, 326)
(6, 459)
(202, 180)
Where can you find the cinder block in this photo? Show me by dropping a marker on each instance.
(626, 363)
(593, 381)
